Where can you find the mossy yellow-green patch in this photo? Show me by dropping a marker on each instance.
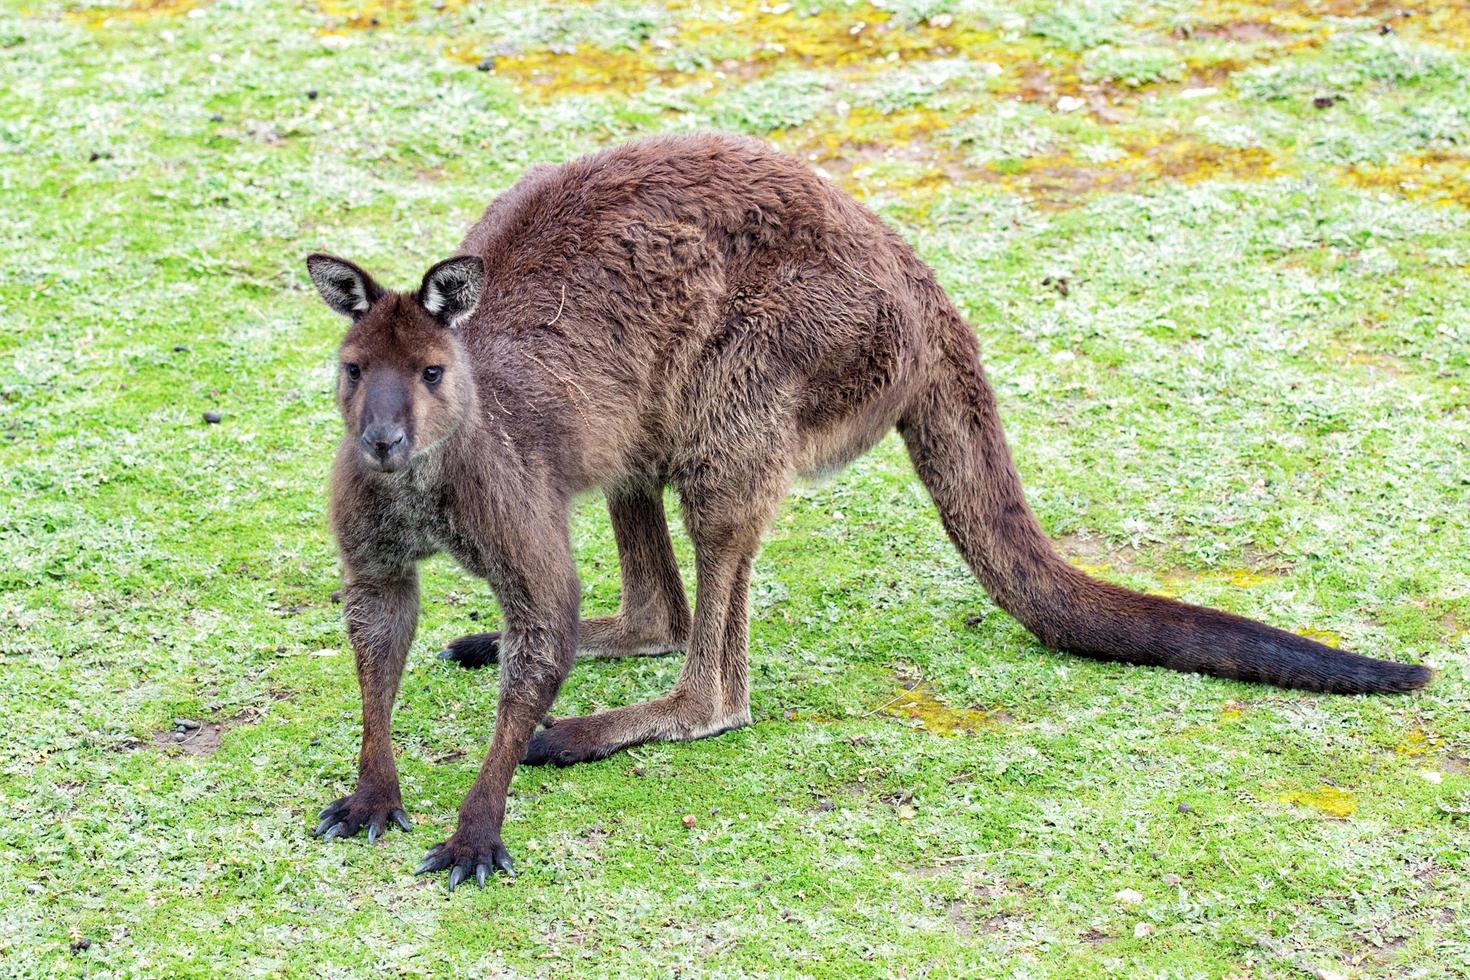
(1438, 176)
(1327, 637)
(134, 11)
(370, 14)
(1325, 798)
(753, 38)
(1416, 742)
(918, 705)
(548, 74)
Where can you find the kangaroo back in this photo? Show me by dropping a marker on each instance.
(954, 438)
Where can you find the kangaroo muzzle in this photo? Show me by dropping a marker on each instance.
(384, 436)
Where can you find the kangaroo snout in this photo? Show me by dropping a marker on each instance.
(384, 445)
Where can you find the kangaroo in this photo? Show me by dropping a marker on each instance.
(701, 312)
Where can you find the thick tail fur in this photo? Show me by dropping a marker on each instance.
(954, 438)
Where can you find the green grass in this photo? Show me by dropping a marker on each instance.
(1219, 259)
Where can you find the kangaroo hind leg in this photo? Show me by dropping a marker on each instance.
(712, 694)
(653, 617)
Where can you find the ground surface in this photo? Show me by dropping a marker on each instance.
(1219, 257)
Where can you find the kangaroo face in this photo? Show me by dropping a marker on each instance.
(404, 383)
(401, 384)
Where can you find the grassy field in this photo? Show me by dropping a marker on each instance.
(1218, 254)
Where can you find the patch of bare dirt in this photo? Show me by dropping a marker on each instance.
(1095, 557)
(1183, 160)
(1238, 31)
(964, 911)
(201, 738)
(1088, 552)
(133, 12)
(1104, 99)
(1355, 8)
(966, 924)
(1065, 183)
(1442, 22)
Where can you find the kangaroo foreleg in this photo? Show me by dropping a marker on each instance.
(532, 573)
(381, 618)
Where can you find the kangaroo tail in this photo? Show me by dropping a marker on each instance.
(954, 438)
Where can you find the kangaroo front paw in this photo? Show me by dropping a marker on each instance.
(363, 809)
(473, 651)
(467, 856)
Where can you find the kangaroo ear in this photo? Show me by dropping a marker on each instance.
(345, 287)
(452, 288)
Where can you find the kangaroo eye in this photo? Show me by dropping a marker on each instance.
(433, 374)
(353, 371)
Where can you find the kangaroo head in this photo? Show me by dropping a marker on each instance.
(404, 382)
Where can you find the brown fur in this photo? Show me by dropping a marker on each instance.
(701, 312)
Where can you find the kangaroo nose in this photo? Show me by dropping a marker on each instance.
(382, 440)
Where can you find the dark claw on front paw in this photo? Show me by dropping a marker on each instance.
(431, 861)
(465, 862)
